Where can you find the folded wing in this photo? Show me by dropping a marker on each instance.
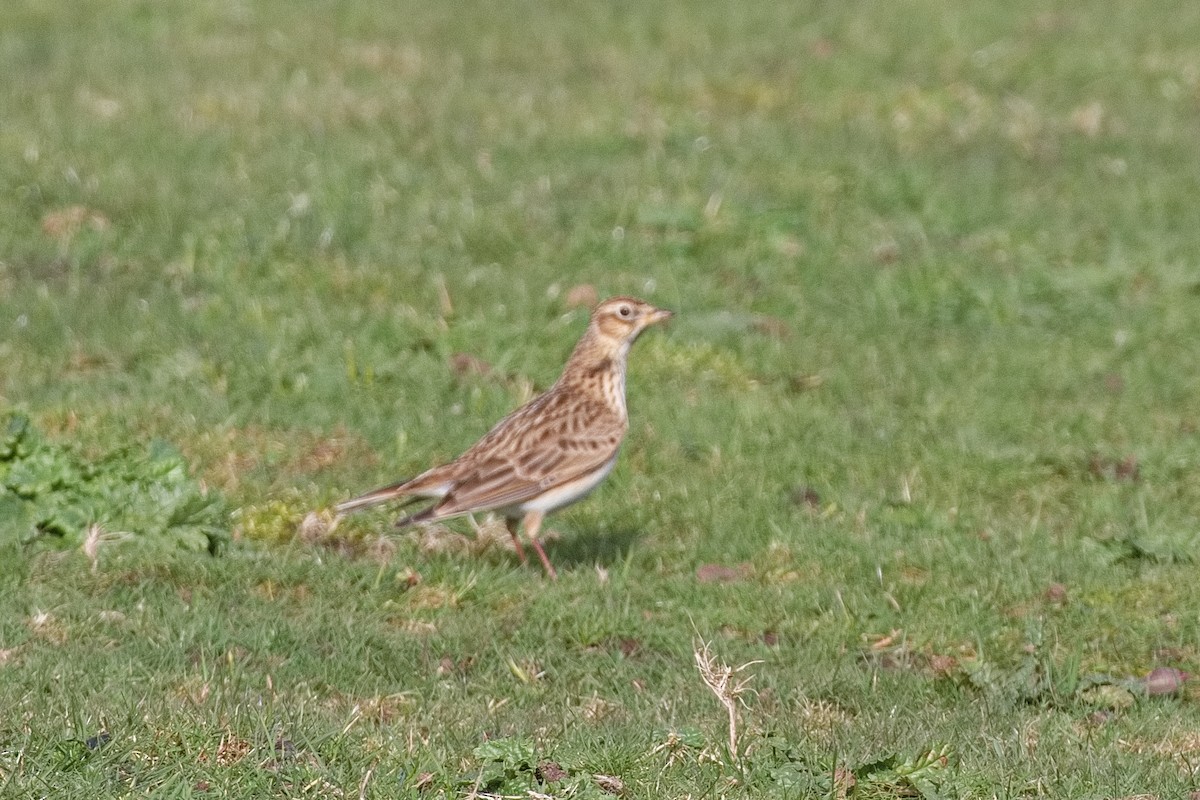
(505, 479)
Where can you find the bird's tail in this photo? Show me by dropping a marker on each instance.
(421, 516)
(377, 496)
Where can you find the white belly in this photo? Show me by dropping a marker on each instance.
(569, 492)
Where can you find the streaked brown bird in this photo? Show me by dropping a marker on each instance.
(548, 453)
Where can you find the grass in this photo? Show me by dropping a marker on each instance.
(930, 395)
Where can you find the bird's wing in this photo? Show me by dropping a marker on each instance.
(531, 465)
(436, 482)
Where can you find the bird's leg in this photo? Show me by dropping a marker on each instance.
(533, 522)
(511, 523)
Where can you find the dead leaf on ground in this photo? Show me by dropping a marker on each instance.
(806, 496)
(82, 361)
(943, 666)
(886, 252)
(805, 382)
(549, 772)
(610, 784)
(1164, 681)
(628, 645)
(822, 48)
(285, 749)
(887, 640)
(583, 295)
(447, 665)
(773, 327)
(890, 651)
(407, 578)
(465, 364)
(64, 223)
(1114, 469)
(1056, 594)
(719, 573)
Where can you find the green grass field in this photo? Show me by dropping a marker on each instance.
(921, 447)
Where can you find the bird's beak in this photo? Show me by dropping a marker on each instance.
(660, 315)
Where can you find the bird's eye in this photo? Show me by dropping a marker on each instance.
(625, 311)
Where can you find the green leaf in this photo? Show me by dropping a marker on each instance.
(50, 491)
(513, 753)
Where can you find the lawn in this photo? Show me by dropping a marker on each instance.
(917, 460)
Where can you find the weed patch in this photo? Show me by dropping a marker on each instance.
(49, 492)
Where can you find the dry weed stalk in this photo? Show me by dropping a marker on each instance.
(95, 538)
(721, 680)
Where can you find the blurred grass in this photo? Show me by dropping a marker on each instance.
(935, 264)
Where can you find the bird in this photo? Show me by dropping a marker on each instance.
(548, 453)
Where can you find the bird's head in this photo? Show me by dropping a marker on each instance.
(621, 319)
(599, 357)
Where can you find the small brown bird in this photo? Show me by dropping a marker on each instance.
(548, 453)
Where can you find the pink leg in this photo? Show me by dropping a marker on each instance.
(533, 523)
(511, 523)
